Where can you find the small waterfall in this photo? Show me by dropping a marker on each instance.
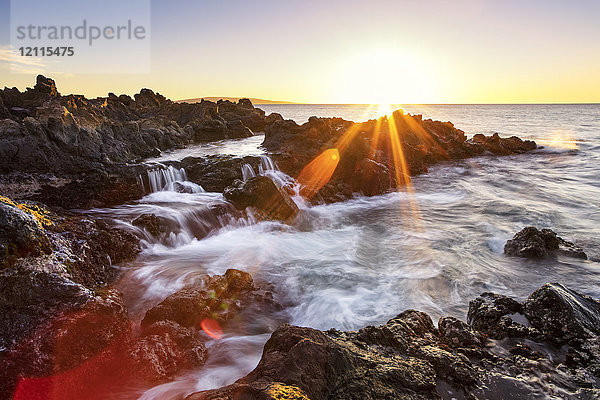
(267, 167)
(266, 164)
(171, 179)
(247, 172)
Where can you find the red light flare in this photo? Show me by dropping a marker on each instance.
(211, 328)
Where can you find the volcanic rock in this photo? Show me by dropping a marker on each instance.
(409, 358)
(216, 297)
(533, 243)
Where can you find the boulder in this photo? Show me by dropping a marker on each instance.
(265, 196)
(51, 324)
(561, 314)
(216, 297)
(533, 243)
(496, 315)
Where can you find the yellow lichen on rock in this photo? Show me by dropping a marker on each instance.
(41, 215)
(281, 391)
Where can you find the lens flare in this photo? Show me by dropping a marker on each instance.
(212, 328)
(318, 172)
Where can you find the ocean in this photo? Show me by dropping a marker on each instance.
(363, 261)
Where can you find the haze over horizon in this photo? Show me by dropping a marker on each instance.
(400, 52)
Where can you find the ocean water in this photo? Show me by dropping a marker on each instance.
(346, 265)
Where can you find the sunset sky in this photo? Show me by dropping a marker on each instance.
(380, 51)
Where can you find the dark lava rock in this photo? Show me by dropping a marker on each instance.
(409, 358)
(88, 248)
(492, 314)
(456, 333)
(151, 223)
(68, 132)
(83, 147)
(562, 314)
(263, 194)
(533, 243)
(21, 234)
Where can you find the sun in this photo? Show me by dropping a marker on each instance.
(385, 76)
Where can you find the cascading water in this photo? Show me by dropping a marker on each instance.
(247, 172)
(171, 179)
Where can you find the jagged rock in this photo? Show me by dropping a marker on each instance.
(263, 194)
(492, 314)
(21, 234)
(409, 358)
(46, 85)
(91, 248)
(151, 223)
(51, 324)
(533, 243)
(82, 140)
(455, 333)
(377, 156)
(562, 314)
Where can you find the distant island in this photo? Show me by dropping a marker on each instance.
(235, 100)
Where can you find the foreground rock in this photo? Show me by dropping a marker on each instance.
(56, 309)
(58, 337)
(410, 358)
(265, 196)
(533, 243)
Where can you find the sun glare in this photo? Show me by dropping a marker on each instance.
(385, 76)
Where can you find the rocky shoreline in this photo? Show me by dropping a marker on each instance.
(65, 329)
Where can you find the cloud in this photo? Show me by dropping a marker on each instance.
(17, 64)
(20, 64)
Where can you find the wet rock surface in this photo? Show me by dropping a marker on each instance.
(217, 298)
(409, 357)
(151, 223)
(534, 243)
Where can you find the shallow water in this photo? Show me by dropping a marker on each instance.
(433, 247)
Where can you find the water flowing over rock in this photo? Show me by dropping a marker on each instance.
(263, 194)
(533, 243)
(410, 358)
(218, 298)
